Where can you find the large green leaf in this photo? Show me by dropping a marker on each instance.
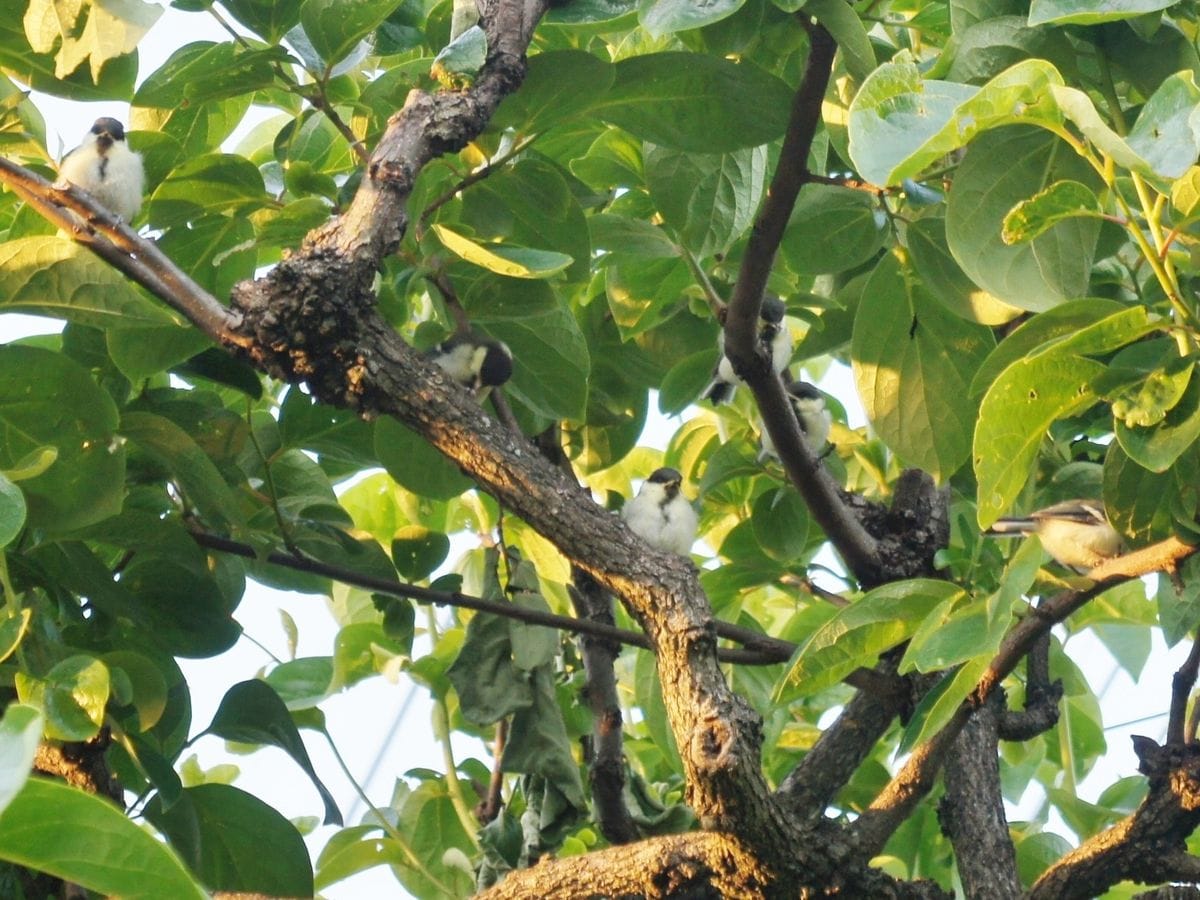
(1027, 398)
(858, 633)
(224, 833)
(208, 71)
(926, 242)
(52, 276)
(1001, 169)
(661, 17)
(216, 183)
(85, 839)
(832, 229)
(559, 85)
(913, 361)
(252, 713)
(47, 400)
(708, 200)
(504, 259)
(1090, 12)
(20, 734)
(695, 102)
(335, 26)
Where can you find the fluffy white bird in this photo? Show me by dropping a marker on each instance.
(809, 406)
(474, 360)
(1075, 532)
(775, 339)
(660, 515)
(105, 167)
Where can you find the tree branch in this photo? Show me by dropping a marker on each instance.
(856, 546)
(1181, 690)
(89, 223)
(972, 811)
(394, 588)
(1148, 846)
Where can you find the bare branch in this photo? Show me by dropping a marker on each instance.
(820, 492)
(78, 214)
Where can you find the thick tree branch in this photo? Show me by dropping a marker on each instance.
(1148, 846)
(972, 811)
(702, 864)
(856, 546)
(1041, 698)
(76, 213)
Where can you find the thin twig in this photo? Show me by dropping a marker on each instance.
(1181, 690)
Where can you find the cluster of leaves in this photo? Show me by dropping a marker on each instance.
(1027, 307)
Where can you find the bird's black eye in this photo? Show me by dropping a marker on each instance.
(97, 129)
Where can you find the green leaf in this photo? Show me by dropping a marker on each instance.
(302, 683)
(488, 684)
(1090, 12)
(858, 633)
(12, 511)
(147, 684)
(1042, 331)
(709, 200)
(206, 71)
(181, 610)
(85, 839)
(1164, 134)
(694, 102)
(222, 832)
(926, 242)
(832, 229)
(108, 30)
(1185, 191)
(912, 363)
(1139, 501)
(1027, 398)
(1003, 168)
(939, 705)
(336, 26)
(633, 237)
(841, 21)
(901, 123)
(1061, 200)
(553, 364)
(252, 713)
(417, 551)
(47, 399)
(781, 524)
(20, 734)
(559, 86)
(269, 19)
(142, 352)
(662, 17)
(509, 260)
(464, 56)
(52, 276)
(538, 742)
(416, 464)
(76, 692)
(12, 630)
(173, 448)
(1158, 446)
(215, 183)
(532, 204)
(1179, 602)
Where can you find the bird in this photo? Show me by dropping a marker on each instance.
(809, 406)
(660, 514)
(105, 167)
(1075, 533)
(474, 360)
(776, 340)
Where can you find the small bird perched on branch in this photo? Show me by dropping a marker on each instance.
(474, 360)
(775, 339)
(660, 515)
(809, 406)
(105, 167)
(1075, 532)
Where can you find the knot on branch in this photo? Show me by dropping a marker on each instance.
(304, 319)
